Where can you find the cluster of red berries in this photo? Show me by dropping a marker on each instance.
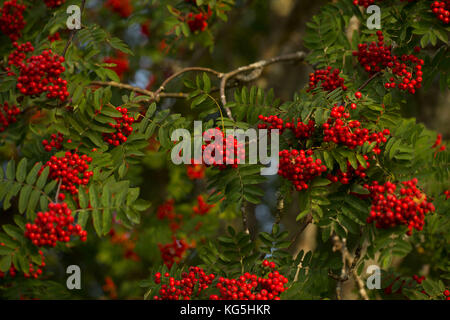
(446, 294)
(377, 57)
(18, 55)
(53, 3)
(124, 239)
(252, 287)
(8, 115)
(173, 252)
(364, 3)
(145, 28)
(54, 225)
(121, 62)
(202, 207)
(226, 158)
(39, 73)
(195, 171)
(409, 283)
(198, 22)
(329, 79)
(438, 143)
(350, 134)
(191, 283)
(390, 209)
(350, 174)
(11, 19)
(55, 142)
(34, 271)
(246, 287)
(441, 9)
(167, 211)
(299, 167)
(122, 126)
(447, 194)
(54, 37)
(300, 129)
(121, 7)
(71, 169)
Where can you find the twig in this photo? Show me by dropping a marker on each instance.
(57, 190)
(307, 221)
(280, 208)
(369, 80)
(151, 94)
(177, 74)
(254, 69)
(251, 67)
(73, 31)
(244, 218)
(347, 258)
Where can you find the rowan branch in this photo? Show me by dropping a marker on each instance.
(151, 94)
(254, 70)
(369, 80)
(347, 260)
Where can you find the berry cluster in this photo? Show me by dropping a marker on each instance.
(202, 207)
(226, 158)
(173, 252)
(39, 73)
(197, 22)
(299, 167)
(377, 57)
(350, 134)
(11, 19)
(121, 7)
(121, 62)
(191, 283)
(408, 283)
(389, 209)
(53, 3)
(110, 288)
(55, 142)
(350, 174)
(195, 171)
(167, 211)
(124, 240)
(364, 3)
(54, 37)
(145, 28)
(56, 224)
(252, 287)
(8, 115)
(34, 271)
(441, 9)
(329, 79)
(16, 57)
(298, 128)
(446, 294)
(71, 170)
(438, 143)
(122, 126)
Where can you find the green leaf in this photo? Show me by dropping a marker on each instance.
(33, 174)
(10, 170)
(21, 170)
(5, 263)
(24, 197)
(43, 178)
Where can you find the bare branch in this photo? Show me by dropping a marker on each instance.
(300, 55)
